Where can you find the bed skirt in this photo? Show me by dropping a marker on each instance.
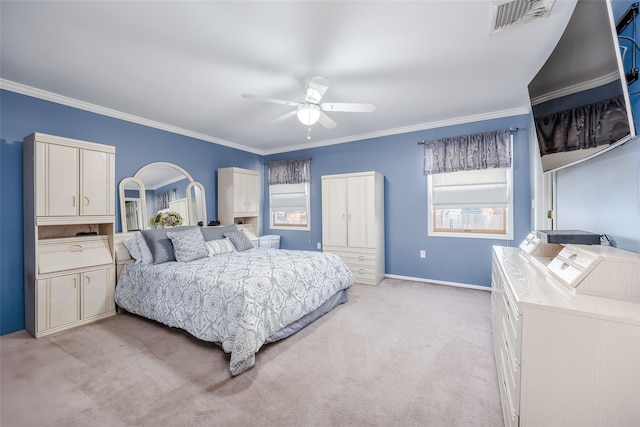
(338, 298)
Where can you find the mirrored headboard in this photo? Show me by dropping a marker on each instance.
(139, 196)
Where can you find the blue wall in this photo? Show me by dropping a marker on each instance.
(602, 195)
(136, 146)
(398, 157)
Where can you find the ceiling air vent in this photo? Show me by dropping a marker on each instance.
(508, 13)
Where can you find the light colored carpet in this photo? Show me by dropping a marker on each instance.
(400, 354)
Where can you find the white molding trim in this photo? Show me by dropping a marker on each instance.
(578, 87)
(86, 106)
(93, 108)
(414, 128)
(439, 282)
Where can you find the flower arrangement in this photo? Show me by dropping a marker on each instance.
(166, 219)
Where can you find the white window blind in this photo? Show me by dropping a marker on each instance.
(288, 197)
(472, 189)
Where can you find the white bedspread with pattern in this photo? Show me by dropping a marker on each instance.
(236, 300)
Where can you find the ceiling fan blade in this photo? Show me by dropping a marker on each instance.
(326, 121)
(316, 89)
(351, 107)
(271, 100)
(284, 117)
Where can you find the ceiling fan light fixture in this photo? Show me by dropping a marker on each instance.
(308, 114)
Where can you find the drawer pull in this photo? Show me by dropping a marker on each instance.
(564, 266)
(361, 271)
(75, 249)
(86, 201)
(361, 258)
(87, 280)
(573, 257)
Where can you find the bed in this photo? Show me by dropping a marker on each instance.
(236, 296)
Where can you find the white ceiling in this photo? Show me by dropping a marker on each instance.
(182, 66)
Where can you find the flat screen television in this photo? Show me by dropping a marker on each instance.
(579, 98)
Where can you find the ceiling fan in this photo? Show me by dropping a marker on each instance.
(311, 110)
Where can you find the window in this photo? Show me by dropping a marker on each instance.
(289, 206)
(476, 203)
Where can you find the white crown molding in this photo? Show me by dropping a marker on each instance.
(71, 102)
(86, 106)
(414, 128)
(579, 87)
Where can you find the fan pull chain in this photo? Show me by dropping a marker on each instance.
(308, 132)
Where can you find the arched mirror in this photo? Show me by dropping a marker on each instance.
(157, 187)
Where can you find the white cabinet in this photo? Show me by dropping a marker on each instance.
(353, 222)
(74, 179)
(69, 206)
(566, 358)
(238, 196)
(70, 299)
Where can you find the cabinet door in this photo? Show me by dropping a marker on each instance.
(253, 193)
(245, 193)
(97, 292)
(58, 301)
(60, 181)
(334, 212)
(360, 212)
(97, 184)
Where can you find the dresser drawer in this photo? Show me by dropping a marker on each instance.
(69, 253)
(510, 411)
(364, 275)
(357, 259)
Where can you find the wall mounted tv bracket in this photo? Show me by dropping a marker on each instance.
(630, 18)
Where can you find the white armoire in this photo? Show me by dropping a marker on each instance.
(239, 197)
(353, 222)
(69, 216)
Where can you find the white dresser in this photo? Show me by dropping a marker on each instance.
(566, 330)
(353, 222)
(69, 216)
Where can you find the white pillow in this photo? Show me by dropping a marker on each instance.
(145, 252)
(134, 250)
(219, 247)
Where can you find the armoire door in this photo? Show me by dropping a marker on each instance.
(334, 212)
(360, 231)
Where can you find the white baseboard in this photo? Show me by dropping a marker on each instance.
(438, 282)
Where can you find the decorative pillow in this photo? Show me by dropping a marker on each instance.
(145, 253)
(217, 233)
(239, 240)
(219, 247)
(188, 244)
(132, 246)
(160, 245)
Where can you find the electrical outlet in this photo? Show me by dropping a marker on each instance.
(319, 245)
(423, 253)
